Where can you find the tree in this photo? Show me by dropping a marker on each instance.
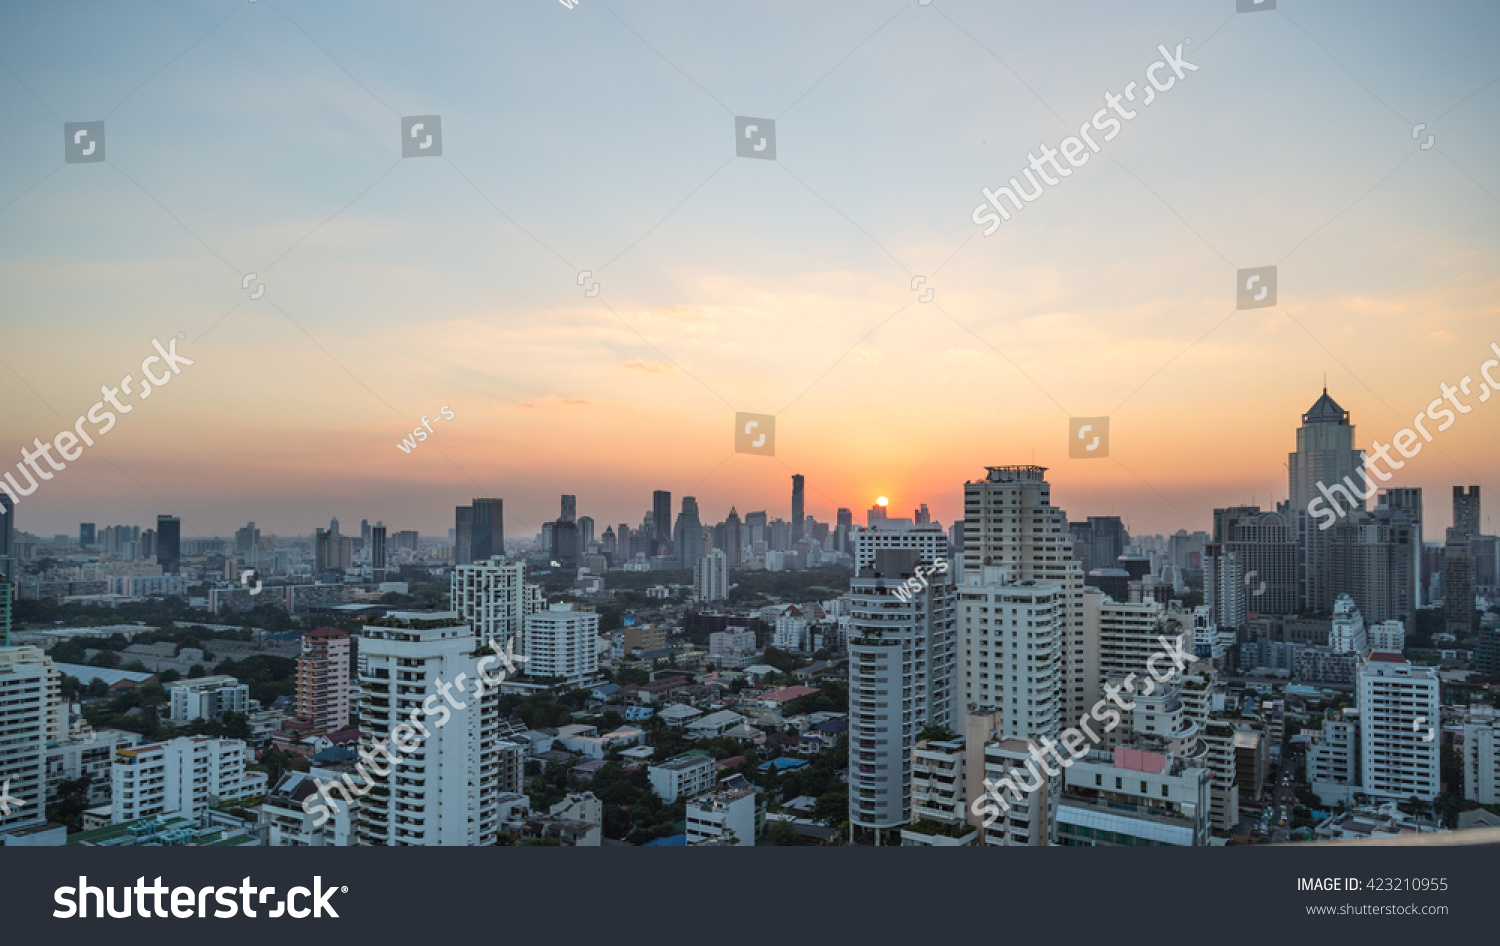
(196, 671)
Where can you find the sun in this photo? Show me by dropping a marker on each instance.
(882, 501)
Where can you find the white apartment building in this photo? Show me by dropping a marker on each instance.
(938, 782)
(1009, 521)
(1011, 651)
(445, 789)
(1224, 590)
(1135, 798)
(903, 658)
(207, 698)
(1388, 636)
(560, 644)
(287, 824)
(1027, 818)
(1222, 762)
(1128, 633)
(1481, 756)
(711, 576)
(323, 679)
(1333, 758)
(1399, 716)
(180, 777)
(732, 649)
(682, 776)
(725, 816)
(91, 753)
(1347, 635)
(791, 631)
(493, 598)
(33, 714)
(929, 540)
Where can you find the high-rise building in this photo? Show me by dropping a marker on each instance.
(1466, 511)
(182, 776)
(564, 542)
(585, 534)
(1482, 756)
(711, 576)
(1011, 652)
(687, 537)
(364, 532)
(1459, 599)
(756, 528)
(562, 644)
(463, 535)
(488, 529)
(1224, 590)
(85, 535)
(169, 544)
(874, 514)
(1347, 633)
(1399, 713)
(1325, 470)
(1409, 500)
(7, 609)
(734, 539)
(323, 679)
(569, 508)
(928, 540)
(446, 792)
(494, 599)
(922, 516)
(31, 692)
(903, 660)
(7, 536)
(1265, 546)
(1009, 521)
(661, 520)
(377, 545)
(799, 511)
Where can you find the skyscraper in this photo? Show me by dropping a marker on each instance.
(85, 535)
(798, 509)
(463, 535)
(7, 536)
(661, 519)
(1009, 521)
(169, 544)
(364, 532)
(569, 508)
(493, 598)
(488, 535)
(734, 539)
(1326, 468)
(377, 545)
(688, 534)
(903, 664)
(323, 679)
(31, 692)
(1466, 511)
(585, 534)
(711, 576)
(1409, 501)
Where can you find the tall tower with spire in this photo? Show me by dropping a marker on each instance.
(1325, 461)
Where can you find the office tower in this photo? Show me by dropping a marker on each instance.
(7, 536)
(463, 535)
(873, 515)
(607, 544)
(323, 679)
(755, 528)
(1009, 521)
(623, 540)
(1387, 635)
(778, 535)
(711, 576)
(169, 544)
(687, 537)
(929, 541)
(333, 525)
(903, 664)
(569, 508)
(85, 534)
(798, 509)
(1224, 589)
(320, 551)
(377, 545)
(1265, 545)
(562, 644)
(922, 517)
(1326, 470)
(1398, 713)
(1011, 652)
(1409, 501)
(1466, 511)
(585, 534)
(247, 539)
(562, 541)
(31, 692)
(845, 518)
(446, 792)
(493, 598)
(148, 543)
(661, 519)
(734, 539)
(1459, 599)
(1128, 632)
(488, 529)
(1481, 756)
(1372, 557)
(182, 776)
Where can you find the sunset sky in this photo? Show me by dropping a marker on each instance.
(265, 137)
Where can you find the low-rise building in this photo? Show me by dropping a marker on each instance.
(1131, 797)
(684, 775)
(207, 698)
(726, 816)
(180, 776)
(91, 754)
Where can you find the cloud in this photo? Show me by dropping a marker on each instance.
(651, 367)
(552, 403)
